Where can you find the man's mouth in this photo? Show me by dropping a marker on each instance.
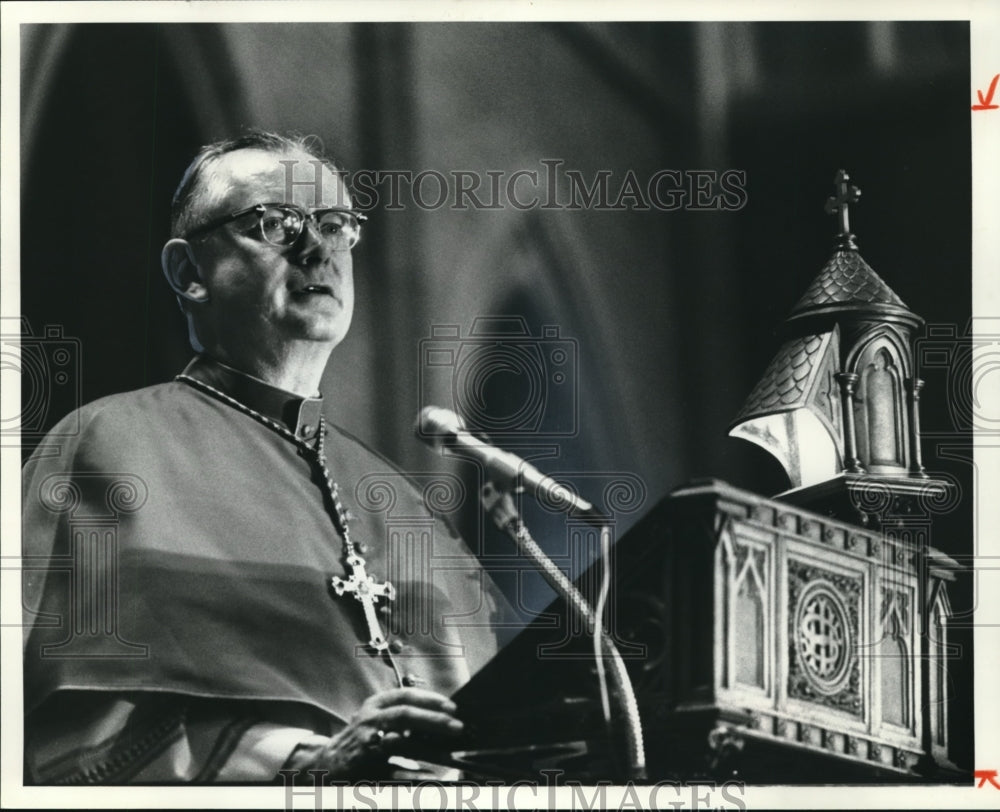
(324, 290)
(316, 293)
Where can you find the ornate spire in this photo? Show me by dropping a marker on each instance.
(840, 394)
(847, 284)
(838, 204)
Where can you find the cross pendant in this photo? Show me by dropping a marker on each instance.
(364, 588)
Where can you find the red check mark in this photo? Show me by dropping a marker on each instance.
(984, 104)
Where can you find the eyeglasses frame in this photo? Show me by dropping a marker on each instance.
(261, 208)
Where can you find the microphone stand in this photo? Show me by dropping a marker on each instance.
(499, 505)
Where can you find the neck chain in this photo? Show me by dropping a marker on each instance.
(359, 583)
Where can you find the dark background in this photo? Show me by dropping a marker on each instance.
(673, 315)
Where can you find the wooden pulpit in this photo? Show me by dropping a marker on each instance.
(766, 643)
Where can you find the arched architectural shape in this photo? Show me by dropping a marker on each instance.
(880, 414)
(749, 633)
(894, 667)
(940, 695)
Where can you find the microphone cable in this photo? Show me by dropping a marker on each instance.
(501, 509)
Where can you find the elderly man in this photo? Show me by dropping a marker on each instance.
(247, 623)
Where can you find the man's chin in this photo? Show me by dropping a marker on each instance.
(323, 330)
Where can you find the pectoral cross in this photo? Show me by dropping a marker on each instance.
(364, 588)
(845, 196)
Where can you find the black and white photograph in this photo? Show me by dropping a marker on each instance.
(500, 406)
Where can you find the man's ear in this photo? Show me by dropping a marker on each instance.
(182, 271)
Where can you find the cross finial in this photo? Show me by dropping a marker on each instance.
(845, 196)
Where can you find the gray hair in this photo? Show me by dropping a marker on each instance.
(187, 210)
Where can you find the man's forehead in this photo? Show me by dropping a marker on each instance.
(250, 176)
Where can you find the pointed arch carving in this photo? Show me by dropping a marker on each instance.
(895, 657)
(882, 363)
(748, 610)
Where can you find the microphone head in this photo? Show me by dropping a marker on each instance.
(434, 425)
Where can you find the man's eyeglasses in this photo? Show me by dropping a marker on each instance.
(283, 223)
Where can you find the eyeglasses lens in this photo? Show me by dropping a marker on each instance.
(339, 228)
(282, 226)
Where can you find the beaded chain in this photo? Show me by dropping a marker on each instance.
(359, 583)
(319, 451)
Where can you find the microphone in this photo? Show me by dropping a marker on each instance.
(443, 428)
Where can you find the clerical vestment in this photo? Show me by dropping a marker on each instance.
(177, 548)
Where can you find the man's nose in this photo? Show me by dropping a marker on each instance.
(310, 246)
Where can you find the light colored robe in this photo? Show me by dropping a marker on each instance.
(180, 624)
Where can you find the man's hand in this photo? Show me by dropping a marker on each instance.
(383, 726)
